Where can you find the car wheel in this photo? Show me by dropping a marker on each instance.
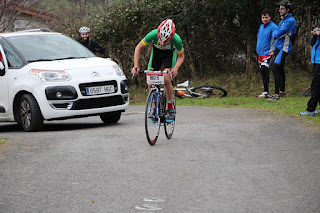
(29, 114)
(110, 118)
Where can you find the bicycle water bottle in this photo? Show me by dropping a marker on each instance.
(180, 92)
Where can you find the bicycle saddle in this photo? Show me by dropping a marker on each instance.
(184, 84)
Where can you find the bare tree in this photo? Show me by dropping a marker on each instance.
(11, 9)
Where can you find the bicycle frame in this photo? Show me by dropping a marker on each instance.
(185, 86)
(158, 104)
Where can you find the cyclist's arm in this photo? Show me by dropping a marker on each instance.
(137, 53)
(179, 62)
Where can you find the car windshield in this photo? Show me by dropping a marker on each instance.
(48, 47)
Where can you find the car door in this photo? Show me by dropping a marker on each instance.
(4, 91)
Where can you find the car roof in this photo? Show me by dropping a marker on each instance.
(20, 33)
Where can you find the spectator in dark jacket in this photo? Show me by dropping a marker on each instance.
(91, 44)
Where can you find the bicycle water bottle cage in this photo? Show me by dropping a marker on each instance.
(184, 84)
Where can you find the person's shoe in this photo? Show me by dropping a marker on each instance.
(274, 98)
(264, 95)
(312, 114)
(282, 94)
(153, 116)
(317, 111)
(171, 115)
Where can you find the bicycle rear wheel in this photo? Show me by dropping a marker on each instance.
(152, 119)
(169, 127)
(206, 91)
(306, 92)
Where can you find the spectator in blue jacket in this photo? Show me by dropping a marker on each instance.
(315, 85)
(265, 44)
(284, 36)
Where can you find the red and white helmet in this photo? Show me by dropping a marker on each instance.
(166, 30)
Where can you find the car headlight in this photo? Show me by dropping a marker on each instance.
(51, 75)
(118, 70)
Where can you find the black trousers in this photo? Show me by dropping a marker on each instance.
(315, 89)
(265, 77)
(279, 74)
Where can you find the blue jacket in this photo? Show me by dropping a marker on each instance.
(315, 57)
(264, 38)
(286, 30)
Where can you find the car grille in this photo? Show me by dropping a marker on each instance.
(95, 84)
(93, 103)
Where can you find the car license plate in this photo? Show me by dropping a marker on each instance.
(100, 90)
(155, 78)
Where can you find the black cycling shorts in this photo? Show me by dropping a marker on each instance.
(158, 57)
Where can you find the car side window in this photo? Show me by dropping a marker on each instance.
(14, 61)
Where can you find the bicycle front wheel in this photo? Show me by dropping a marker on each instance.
(206, 91)
(169, 127)
(152, 119)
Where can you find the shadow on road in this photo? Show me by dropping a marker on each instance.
(50, 127)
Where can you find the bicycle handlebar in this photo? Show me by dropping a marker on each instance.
(149, 71)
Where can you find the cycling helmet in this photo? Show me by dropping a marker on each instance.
(166, 30)
(285, 3)
(84, 30)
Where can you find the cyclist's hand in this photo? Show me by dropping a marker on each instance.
(271, 53)
(174, 72)
(135, 71)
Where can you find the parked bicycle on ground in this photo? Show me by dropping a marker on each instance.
(204, 91)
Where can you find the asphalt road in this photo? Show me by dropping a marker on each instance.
(219, 160)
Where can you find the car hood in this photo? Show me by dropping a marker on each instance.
(97, 69)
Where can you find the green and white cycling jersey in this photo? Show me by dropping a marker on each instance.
(174, 43)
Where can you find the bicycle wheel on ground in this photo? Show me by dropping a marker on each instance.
(169, 127)
(306, 92)
(206, 91)
(152, 119)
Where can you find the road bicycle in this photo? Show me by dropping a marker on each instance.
(204, 91)
(156, 107)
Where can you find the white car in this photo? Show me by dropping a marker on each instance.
(49, 76)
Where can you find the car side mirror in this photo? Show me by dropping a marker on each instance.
(2, 69)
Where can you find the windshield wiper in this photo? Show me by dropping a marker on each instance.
(67, 58)
(40, 60)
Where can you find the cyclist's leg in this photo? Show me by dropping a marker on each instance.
(169, 62)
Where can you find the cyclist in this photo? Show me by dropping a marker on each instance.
(168, 51)
(264, 45)
(92, 45)
(284, 35)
